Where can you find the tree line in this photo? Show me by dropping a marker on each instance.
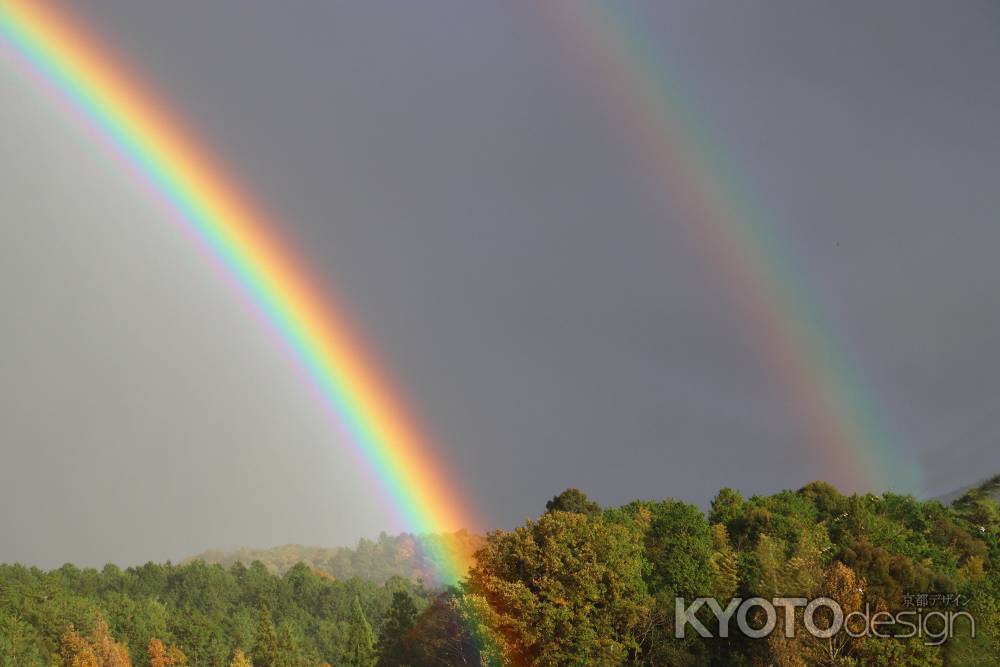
(579, 585)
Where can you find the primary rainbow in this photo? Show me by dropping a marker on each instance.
(839, 412)
(183, 175)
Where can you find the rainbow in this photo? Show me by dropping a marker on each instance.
(195, 189)
(839, 413)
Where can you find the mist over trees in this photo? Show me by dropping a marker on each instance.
(409, 556)
(580, 584)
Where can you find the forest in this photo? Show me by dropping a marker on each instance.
(580, 584)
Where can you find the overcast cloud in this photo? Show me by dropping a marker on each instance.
(454, 173)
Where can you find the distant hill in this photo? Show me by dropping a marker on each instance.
(989, 488)
(409, 556)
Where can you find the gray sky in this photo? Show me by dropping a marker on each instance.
(458, 175)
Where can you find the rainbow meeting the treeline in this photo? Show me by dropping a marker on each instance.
(181, 172)
(824, 386)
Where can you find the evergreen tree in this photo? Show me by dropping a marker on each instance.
(288, 650)
(360, 640)
(398, 621)
(265, 649)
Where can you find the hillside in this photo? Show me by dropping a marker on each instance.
(408, 556)
(989, 488)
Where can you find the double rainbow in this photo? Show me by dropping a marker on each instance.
(185, 178)
(840, 413)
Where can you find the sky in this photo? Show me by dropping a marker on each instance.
(455, 175)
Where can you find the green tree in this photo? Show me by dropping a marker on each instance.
(16, 645)
(200, 637)
(877, 652)
(288, 648)
(566, 589)
(724, 563)
(265, 648)
(727, 506)
(679, 550)
(360, 648)
(573, 500)
(398, 621)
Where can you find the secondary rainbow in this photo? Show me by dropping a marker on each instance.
(839, 412)
(181, 171)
